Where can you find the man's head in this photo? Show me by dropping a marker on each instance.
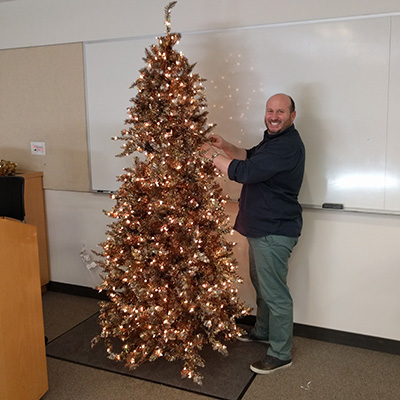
(280, 113)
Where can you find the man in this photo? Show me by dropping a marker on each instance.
(270, 217)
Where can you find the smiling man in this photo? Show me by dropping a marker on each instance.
(279, 114)
(270, 217)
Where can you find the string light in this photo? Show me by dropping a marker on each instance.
(168, 265)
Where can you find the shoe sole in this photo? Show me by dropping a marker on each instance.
(244, 340)
(268, 371)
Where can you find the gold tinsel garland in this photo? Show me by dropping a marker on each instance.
(7, 167)
(168, 266)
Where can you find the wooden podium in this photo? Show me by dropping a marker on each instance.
(36, 215)
(23, 368)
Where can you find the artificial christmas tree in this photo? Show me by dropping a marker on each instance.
(167, 264)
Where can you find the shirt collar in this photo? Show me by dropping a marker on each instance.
(275, 135)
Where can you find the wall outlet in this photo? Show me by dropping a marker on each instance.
(38, 148)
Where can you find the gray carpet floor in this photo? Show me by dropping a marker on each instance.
(320, 370)
(225, 377)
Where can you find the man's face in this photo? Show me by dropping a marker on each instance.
(277, 114)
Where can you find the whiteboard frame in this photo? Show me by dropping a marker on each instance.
(376, 30)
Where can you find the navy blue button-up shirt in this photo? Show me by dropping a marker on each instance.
(271, 175)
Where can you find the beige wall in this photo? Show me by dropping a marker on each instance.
(343, 274)
(43, 100)
(39, 22)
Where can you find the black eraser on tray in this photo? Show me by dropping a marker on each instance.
(333, 206)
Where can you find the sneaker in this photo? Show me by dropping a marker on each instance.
(249, 337)
(269, 364)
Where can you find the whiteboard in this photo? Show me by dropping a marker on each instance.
(337, 71)
(392, 192)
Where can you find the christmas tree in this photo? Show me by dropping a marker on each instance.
(168, 268)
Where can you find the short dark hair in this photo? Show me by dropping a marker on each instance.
(292, 105)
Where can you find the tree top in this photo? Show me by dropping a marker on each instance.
(168, 9)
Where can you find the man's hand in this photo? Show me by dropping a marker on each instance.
(217, 141)
(228, 148)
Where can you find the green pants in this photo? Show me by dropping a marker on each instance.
(269, 257)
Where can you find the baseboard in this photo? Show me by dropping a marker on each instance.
(306, 331)
(347, 338)
(76, 290)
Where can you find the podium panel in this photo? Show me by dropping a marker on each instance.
(35, 214)
(23, 369)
